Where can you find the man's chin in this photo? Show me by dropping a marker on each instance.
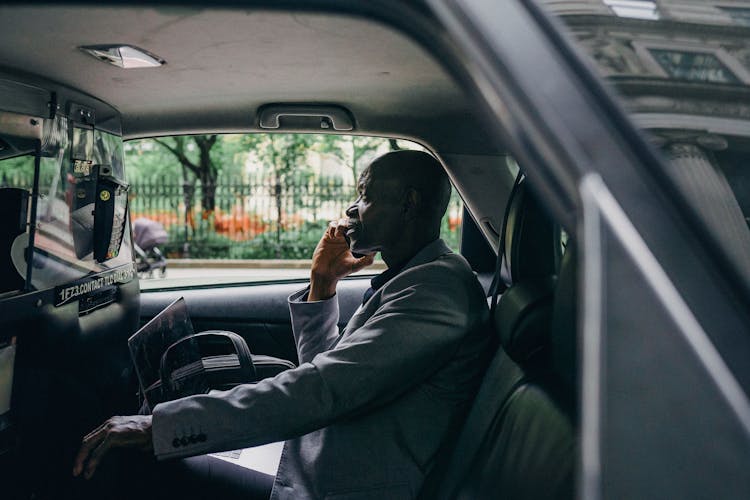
(361, 250)
(359, 246)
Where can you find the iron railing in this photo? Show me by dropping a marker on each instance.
(259, 219)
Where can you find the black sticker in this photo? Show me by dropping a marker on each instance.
(91, 284)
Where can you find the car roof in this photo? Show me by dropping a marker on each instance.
(222, 65)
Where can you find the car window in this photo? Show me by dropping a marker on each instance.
(245, 207)
(682, 70)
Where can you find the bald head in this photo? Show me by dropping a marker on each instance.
(402, 196)
(403, 170)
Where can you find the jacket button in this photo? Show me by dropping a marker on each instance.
(201, 437)
(176, 443)
(184, 441)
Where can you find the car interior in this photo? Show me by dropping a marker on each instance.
(289, 68)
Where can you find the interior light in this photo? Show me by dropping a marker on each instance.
(124, 56)
(638, 9)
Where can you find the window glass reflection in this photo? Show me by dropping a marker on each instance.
(739, 15)
(694, 66)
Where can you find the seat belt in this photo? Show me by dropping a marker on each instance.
(498, 286)
(442, 473)
(502, 379)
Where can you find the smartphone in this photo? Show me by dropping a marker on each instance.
(349, 242)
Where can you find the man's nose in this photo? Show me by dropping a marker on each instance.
(352, 211)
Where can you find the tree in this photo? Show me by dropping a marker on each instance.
(352, 150)
(282, 156)
(203, 168)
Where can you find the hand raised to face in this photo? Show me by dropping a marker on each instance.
(117, 432)
(332, 260)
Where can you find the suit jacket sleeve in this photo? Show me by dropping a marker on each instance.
(314, 324)
(414, 332)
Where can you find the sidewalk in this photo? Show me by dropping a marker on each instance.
(250, 264)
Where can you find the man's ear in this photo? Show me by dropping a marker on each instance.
(412, 202)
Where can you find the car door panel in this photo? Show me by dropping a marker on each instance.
(257, 312)
(643, 237)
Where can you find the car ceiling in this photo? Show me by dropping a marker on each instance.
(224, 64)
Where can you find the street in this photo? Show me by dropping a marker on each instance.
(201, 276)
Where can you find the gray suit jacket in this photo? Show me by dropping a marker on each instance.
(366, 411)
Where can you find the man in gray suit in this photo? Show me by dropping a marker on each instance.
(366, 411)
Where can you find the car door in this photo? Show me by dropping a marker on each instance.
(663, 301)
(259, 312)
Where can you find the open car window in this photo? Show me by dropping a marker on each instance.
(210, 209)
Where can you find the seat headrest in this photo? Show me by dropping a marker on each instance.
(532, 249)
(522, 318)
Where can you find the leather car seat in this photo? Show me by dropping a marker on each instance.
(518, 441)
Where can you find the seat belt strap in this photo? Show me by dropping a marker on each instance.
(501, 381)
(498, 286)
(448, 462)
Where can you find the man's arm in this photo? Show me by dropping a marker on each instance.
(332, 261)
(415, 332)
(315, 310)
(314, 324)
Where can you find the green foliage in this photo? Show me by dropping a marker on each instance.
(240, 162)
(298, 244)
(281, 155)
(146, 161)
(448, 232)
(17, 172)
(292, 245)
(353, 151)
(156, 159)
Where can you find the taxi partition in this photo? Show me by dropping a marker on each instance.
(65, 250)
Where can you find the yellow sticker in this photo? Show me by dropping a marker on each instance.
(104, 195)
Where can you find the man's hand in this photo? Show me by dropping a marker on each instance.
(332, 261)
(117, 432)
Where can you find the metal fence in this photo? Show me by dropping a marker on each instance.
(253, 220)
(250, 220)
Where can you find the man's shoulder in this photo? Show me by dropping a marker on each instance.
(446, 283)
(447, 270)
(449, 263)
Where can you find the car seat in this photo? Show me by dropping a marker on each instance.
(518, 441)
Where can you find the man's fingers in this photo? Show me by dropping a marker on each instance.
(96, 456)
(96, 431)
(129, 432)
(337, 228)
(331, 230)
(90, 441)
(342, 226)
